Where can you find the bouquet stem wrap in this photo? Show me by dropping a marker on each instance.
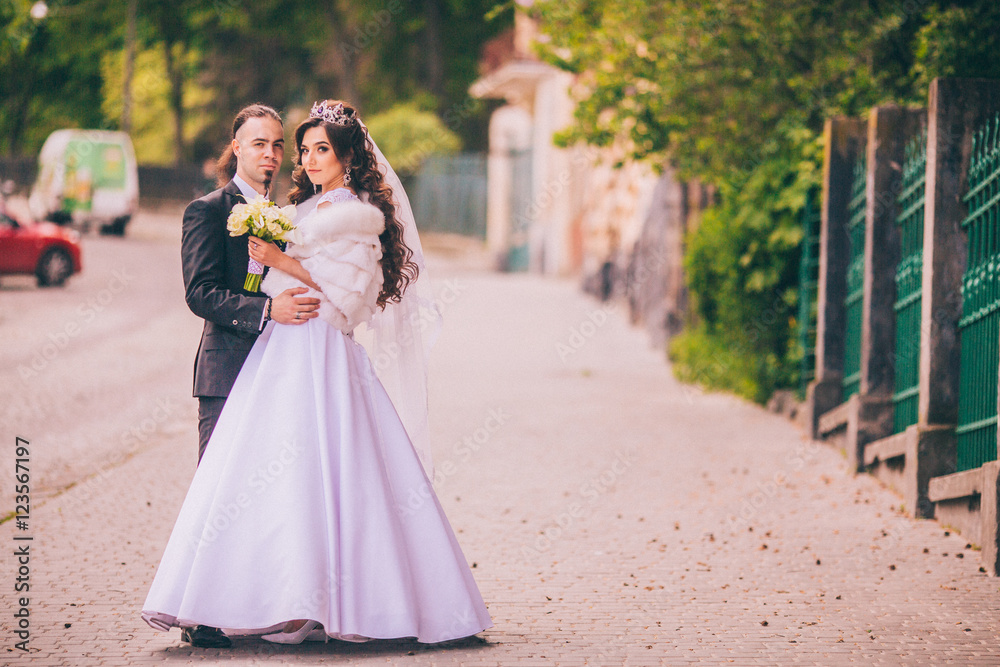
(255, 271)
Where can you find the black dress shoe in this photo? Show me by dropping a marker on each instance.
(205, 636)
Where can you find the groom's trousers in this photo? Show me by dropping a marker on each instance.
(209, 409)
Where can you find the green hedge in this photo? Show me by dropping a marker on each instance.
(741, 266)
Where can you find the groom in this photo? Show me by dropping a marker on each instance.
(215, 266)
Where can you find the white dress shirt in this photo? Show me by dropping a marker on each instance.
(245, 188)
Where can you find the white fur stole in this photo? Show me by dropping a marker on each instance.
(341, 251)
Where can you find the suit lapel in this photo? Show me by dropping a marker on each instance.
(231, 196)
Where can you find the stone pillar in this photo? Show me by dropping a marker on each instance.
(957, 108)
(845, 139)
(930, 452)
(510, 131)
(889, 129)
(869, 418)
(990, 517)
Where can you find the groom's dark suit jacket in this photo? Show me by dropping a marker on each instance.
(215, 267)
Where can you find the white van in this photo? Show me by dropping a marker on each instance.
(86, 177)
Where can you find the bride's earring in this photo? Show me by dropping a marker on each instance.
(315, 188)
(347, 175)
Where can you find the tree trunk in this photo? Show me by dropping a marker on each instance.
(19, 115)
(23, 76)
(175, 73)
(129, 68)
(344, 55)
(434, 65)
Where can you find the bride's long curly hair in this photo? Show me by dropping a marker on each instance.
(355, 150)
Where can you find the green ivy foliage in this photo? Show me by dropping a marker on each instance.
(742, 265)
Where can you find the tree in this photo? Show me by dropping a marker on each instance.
(49, 71)
(170, 19)
(286, 53)
(707, 84)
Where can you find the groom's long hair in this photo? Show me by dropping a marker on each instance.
(225, 168)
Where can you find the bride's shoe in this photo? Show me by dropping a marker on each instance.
(318, 635)
(296, 637)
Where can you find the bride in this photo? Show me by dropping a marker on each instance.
(297, 521)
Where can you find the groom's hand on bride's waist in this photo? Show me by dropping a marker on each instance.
(288, 308)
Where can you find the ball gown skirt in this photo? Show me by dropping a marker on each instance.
(302, 508)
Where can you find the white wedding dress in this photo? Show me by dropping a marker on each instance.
(302, 506)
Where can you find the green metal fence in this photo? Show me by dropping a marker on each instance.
(808, 291)
(909, 274)
(855, 280)
(979, 328)
(449, 194)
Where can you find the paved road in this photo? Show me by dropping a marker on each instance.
(613, 516)
(97, 369)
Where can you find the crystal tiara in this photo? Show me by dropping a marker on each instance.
(335, 114)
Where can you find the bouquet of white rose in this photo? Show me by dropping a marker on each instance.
(265, 220)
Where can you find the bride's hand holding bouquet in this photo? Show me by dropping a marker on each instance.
(264, 220)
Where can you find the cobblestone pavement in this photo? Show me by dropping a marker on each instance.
(612, 516)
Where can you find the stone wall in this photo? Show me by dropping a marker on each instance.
(650, 272)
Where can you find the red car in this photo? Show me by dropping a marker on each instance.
(48, 251)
